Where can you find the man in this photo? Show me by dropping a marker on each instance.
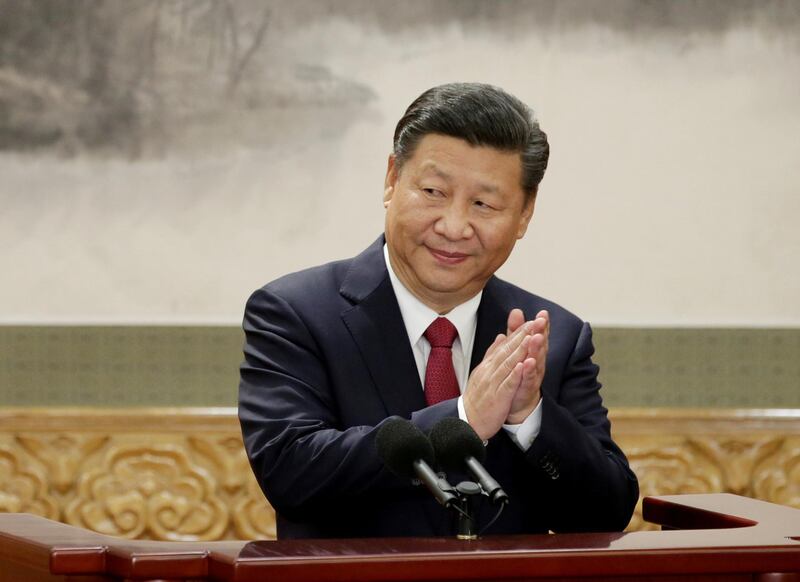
(418, 326)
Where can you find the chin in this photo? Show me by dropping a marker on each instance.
(439, 286)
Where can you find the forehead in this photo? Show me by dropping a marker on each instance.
(457, 160)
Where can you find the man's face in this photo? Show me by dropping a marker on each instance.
(453, 214)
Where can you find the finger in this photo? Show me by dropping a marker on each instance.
(546, 332)
(502, 353)
(541, 324)
(508, 346)
(537, 345)
(530, 372)
(498, 341)
(538, 349)
(541, 335)
(515, 319)
(544, 314)
(505, 367)
(527, 328)
(511, 382)
(529, 389)
(486, 367)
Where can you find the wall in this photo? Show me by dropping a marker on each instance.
(670, 199)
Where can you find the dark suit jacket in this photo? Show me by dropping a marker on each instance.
(327, 360)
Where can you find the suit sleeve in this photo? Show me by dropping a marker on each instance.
(302, 456)
(586, 481)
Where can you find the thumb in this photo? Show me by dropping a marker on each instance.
(515, 319)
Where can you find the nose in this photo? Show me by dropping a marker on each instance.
(454, 223)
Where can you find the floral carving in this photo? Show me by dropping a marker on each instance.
(226, 453)
(778, 477)
(735, 459)
(23, 489)
(673, 470)
(62, 454)
(149, 492)
(253, 517)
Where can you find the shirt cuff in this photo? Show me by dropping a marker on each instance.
(462, 412)
(525, 433)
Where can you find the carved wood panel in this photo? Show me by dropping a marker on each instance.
(119, 474)
(182, 474)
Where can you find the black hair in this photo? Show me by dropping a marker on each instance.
(482, 115)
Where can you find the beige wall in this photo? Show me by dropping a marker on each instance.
(672, 197)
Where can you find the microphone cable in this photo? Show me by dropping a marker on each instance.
(494, 519)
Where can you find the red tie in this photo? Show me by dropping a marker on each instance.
(440, 376)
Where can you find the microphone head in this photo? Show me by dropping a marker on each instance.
(453, 441)
(400, 443)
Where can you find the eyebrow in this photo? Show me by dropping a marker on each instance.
(431, 166)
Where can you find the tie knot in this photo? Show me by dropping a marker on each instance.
(441, 333)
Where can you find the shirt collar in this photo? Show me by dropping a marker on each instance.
(417, 316)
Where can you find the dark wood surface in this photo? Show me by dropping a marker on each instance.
(711, 537)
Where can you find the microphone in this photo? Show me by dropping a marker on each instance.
(407, 452)
(457, 445)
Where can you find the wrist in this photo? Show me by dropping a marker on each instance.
(474, 420)
(519, 416)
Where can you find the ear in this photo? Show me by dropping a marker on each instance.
(390, 181)
(527, 214)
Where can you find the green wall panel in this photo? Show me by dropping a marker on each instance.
(749, 368)
(119, 366)
(198, 366)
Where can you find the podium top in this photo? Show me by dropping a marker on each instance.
(712, 534)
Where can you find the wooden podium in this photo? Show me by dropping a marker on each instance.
(704, 537)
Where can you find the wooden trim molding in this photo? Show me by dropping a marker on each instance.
(181, 473)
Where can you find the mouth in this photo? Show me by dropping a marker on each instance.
(447, 258)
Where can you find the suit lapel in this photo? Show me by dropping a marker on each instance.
(492, 319)
(377, 328)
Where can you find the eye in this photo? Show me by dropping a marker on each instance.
(433, 192)
(482, 205)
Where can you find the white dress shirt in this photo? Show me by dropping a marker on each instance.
(417, 317)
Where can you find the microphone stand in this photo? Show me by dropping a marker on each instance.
(467, 490)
